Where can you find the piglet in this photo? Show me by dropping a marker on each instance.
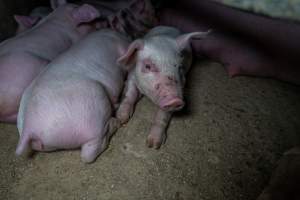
(70, 104)
(23, 57)
(161, 58)
(131, 17)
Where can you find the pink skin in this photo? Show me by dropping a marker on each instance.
(70, 105)
(159, 74)
(11, 96)
(131, 95)
(23, 57)
(270, 56)
(167, 93)
(157, 134)
(165, 90)
(25, 22)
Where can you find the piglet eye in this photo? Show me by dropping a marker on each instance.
(149, 67)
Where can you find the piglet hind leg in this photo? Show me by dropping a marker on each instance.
(28, 144)
(94, 147)
(91, 150)
(157, 135)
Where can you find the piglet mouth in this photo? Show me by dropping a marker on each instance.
(171, 104)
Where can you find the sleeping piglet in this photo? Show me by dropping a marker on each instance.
(161, 58)
(23, 57)
(70, 104)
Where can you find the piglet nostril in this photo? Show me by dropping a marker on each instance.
(173, 104)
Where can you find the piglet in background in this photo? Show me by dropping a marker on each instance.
(27, 22)
(162, 59)
(105, 7)
(23, 57)
(133, 18)
(70, 105)
(242, 41)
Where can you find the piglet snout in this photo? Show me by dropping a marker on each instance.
(172, 104)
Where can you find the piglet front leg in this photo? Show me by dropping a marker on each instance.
(157, 135)
(131, 96)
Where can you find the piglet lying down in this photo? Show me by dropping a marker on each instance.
(161, 60)
(70, 104)
(23, 57)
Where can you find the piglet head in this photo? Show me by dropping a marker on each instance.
(159, 67)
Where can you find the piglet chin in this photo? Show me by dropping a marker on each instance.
(171, 104)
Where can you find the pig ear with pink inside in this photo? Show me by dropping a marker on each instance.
(127, 60)
(26, 22)
(184, 40)
(85, 13)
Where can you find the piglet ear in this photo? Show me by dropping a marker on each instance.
(128, 58)
(25, 22)
(183, 41)
(57, 3)
(85, 13)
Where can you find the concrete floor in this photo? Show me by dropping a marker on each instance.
(224, 145)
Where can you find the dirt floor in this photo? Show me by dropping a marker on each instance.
(224, 145)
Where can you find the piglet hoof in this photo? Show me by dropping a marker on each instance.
(123, 117)
(113, 125)
(85, 13)
(91, 150)
(155, 139)
(124, 113)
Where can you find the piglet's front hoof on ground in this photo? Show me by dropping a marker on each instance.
(155, 138)
(153, 142)
(124, 113)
